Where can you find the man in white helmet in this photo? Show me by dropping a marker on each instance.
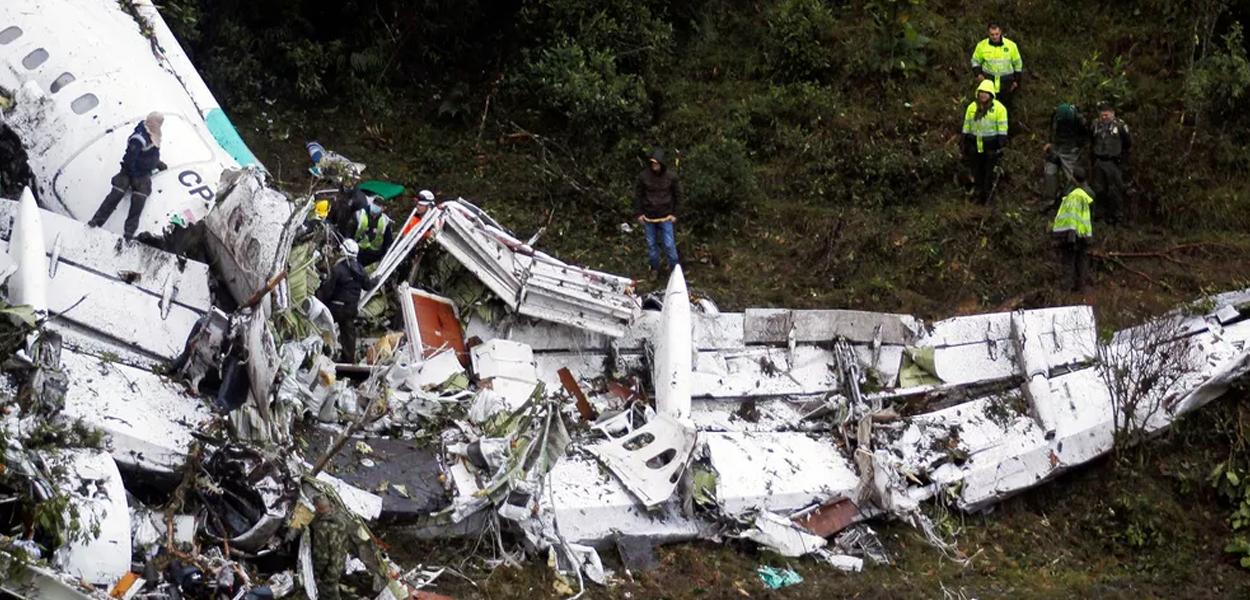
(421, 205)
(341, 292)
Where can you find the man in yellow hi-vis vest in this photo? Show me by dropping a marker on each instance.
(1073, 229)
(997, 59)
(984, 138)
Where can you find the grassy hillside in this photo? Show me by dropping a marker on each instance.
(818, 145)
(819, 153)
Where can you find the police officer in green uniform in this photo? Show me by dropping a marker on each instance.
(329, 549)
(1111, 146)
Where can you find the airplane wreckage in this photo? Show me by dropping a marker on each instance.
(170, 412)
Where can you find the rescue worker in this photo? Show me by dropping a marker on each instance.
(141, 159)
(374, 233)
(1111, 146)
(656, 196)
(1073, 229)
(984, 138)
(346, 204)
(340, 292)
(421, 205)
(1068, 135)
(329, 548)
(997, 59)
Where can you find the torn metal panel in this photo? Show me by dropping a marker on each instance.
(435, 371)
(248, 496)
(764, 372)
(363, 504)
(974, 348)
(96, 491)
(98, 310)
(533, 283)
(112, 295)
(671, 373)
(592, 507)
(108, 254)
(830, 518)
(508, 369)
(755, 414)
(542, 336)
(722, 331)
(244, 233)
(776, 471)
(780, 326)
(1224, 359)
(75, 131)
(993, 448)
(1036, 346)
(650, 459)
(974, 329)
(399, 251)
(32, 582)
(148, 419)
(585, 366)
(262, 366)
(782, 536)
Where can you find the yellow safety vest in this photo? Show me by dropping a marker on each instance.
(1074, 214)
(363, 239)
(997, 61)
(992, 123)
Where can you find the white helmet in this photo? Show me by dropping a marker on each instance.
(426, 195)
(350, 248)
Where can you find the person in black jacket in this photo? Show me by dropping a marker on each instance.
(347, 204)
(142, 158)
(656, 196)
(1068, 135)
(341, 292)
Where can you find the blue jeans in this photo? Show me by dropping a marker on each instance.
(663, 231)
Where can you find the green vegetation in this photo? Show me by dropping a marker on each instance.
(817, 141)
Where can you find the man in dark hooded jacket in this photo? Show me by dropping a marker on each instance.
(142, 158)
(655, 204)
(1068, 136)
(341, 292)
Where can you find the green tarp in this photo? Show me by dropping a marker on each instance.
(385, 189)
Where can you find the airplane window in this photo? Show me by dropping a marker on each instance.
(9, 34)
(84, 103)
(253, 250)
(35, 58)
(62, 81)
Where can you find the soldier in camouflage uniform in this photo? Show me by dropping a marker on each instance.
(329, 549)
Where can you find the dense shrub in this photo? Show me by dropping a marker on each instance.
(800, 44)
(718, 183)
(1219, 84)
(583, 87)
(634, 32)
